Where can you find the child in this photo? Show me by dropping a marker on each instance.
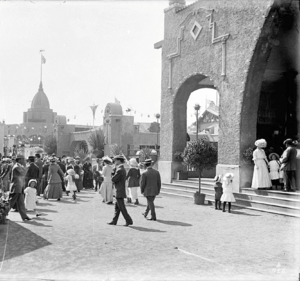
(71, 186)
(30, 197)
(218, 191)
(274, 166)
(97, 177)
(227, 195)
(133, 177)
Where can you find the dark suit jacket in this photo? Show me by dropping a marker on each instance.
(150, 182)
(39, 163)
(119, 180)
(17, 179)
(289, 159)
(33, 172)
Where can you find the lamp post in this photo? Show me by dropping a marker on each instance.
(157, 116)
(197, 108)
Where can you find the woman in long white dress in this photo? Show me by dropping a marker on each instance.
(106, 190)
(261, 177)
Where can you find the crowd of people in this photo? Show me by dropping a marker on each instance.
(50, 177)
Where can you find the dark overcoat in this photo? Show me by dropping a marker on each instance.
(150, 182)
(119, 180)
(33, 172)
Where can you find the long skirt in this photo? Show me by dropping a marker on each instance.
(53, 191)
(106, 191)
(43, 184)
(78, 183)
(133, 193)
(261, 176)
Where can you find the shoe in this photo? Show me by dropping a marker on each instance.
(38, 215)
(151, 219)
(145, 215)
(111, 223)
(128, 223)
(224, 211)
(136, 202)
(27, 219)
(109, 203)
(58, 199)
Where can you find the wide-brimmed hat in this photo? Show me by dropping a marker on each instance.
(19, 156)
(288, 141)
(119, 157)
(261, 143)
(218, 178)
(32, 180)
(133, 162)
(147, 162)
(71, 172)
(107, 159)
(272, 154)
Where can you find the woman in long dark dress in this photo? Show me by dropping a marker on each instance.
(45, 176)
(87, 166)
(54, 187)
(78, 171)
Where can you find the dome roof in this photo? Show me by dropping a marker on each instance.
(113, 109)
(40, 99)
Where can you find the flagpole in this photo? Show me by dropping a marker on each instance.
(41, 66)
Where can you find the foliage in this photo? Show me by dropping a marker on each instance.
(248, 153)
(50, 144)
(145, 153)
(81, 153)
(84, 147)
(154, 127)
(97, 141)
(200, 154)
(116, 149)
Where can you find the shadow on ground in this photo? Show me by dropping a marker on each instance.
(21, 241)
(174, 223)
(139, 228)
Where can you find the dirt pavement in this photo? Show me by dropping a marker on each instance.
(72, 241)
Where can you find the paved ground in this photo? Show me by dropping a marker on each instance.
(72, 241)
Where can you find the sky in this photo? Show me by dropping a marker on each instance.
(95, 51)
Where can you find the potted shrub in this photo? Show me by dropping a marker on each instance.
(200, 154)
(181, 174)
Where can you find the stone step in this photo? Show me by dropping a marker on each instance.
(266, 201)
(273, 193)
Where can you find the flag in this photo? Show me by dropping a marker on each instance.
(43, 60)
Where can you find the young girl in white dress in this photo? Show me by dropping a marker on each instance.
(71, 185)
(227, 195)
(30, 197)
(261, 178)
(274, 166)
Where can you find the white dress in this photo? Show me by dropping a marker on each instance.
(274, 169)
(71, 186)
(227, 195)
(106, 190)
(30, 198)
(261, 177)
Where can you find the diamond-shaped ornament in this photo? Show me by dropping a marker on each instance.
(196, 29)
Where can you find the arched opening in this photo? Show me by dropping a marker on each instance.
(197, 89)
(270, 100)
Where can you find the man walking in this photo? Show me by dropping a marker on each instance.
(288, 165)
(150, 187)
(119, 180)
(16, 195)
(32, 171)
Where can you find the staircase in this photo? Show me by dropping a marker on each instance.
(271, 201)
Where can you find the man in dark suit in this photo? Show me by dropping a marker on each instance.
(150, 187)
(63, 168)
(33, 171)
(16, 196)
(119, 180)
(39, 163)
(289, 165)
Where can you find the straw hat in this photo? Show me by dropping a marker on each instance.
(133, 163)
(229, 176)
(271, 154)
(218, 178)
(32, 180)
(71, 172)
